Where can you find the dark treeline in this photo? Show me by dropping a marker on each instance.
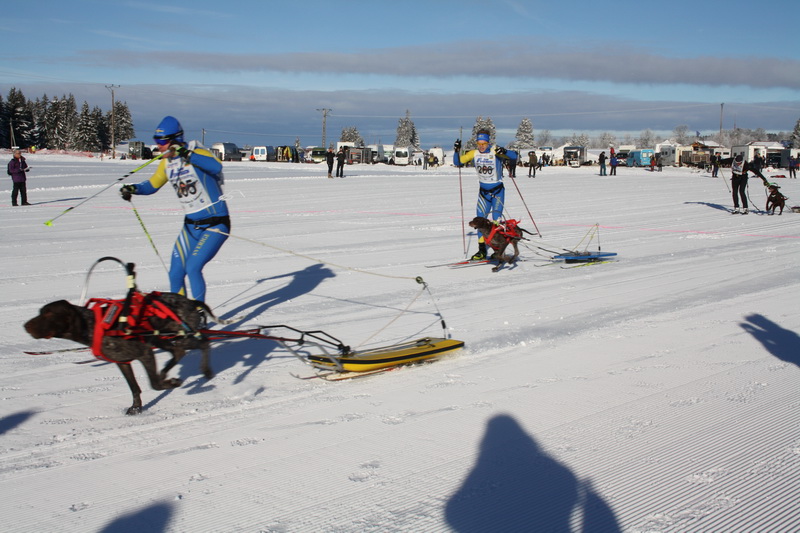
(58, 124)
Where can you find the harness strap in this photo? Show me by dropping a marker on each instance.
(110, 320)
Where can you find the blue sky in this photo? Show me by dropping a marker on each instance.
(258, 72)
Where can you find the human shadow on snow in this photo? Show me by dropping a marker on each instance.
(153, 519)
(715, 206)
(253, 352)
(300, 283)
(7, 423)
(516, 486)
(782, 343)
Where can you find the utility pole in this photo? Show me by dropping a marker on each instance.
(721, 107)
(203, 138)
(113, 122)
(325, 112)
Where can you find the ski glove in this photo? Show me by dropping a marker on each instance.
(457, 145)
(126, 191)
(499, 150)
(181, 151)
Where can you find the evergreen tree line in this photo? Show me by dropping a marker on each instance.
(57, 124)
(525, 139)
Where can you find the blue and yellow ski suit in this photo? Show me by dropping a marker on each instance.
(197, 181)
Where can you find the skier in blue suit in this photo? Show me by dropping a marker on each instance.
(489, 168)
(196, 177)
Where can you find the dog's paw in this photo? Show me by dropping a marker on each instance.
(172, 383)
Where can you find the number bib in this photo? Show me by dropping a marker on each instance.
(192, 193)
(486, 167)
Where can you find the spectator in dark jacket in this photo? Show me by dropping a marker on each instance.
(329, 157)
(17, 168)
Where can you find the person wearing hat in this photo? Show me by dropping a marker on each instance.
(196, 177)
(17, 168)
(488, 161)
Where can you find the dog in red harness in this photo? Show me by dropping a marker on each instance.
(499, 235)
(121, 331)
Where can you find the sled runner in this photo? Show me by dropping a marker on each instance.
(584, 257)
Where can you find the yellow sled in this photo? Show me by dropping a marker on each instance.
(385, 357)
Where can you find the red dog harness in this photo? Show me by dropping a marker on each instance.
(128, 319)
(509, 230)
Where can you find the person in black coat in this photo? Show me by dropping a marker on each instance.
(340, 163)
(329, 157)
(739, 170)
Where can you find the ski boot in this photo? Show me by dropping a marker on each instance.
(481, 254)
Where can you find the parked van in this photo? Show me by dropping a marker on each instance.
(263, 153)
(640, 158)
(402, 156)
(226, 151)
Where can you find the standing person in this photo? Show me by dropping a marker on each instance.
(614, 162)
(17, 168)
(739, 184)
(340, 163)
(532, 162)
(488, 161)
(793, 164)
(329, 157)
(602, 161)
(511, 164)
(715, 165)
(659, 163)
(196, 176)
(653, 163)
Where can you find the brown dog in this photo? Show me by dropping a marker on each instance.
(498, 238)
(775, 199)
(64, 320)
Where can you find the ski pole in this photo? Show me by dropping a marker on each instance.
(526, 206)
(461, 195)
(149, 238)
(724, 179)
(67, 210)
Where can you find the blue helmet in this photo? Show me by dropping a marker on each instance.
(169, 129)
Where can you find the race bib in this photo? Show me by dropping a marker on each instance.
(192, 193)
(486, 167)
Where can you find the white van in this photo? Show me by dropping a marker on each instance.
(263, 153)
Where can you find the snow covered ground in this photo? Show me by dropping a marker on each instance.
(657, 393)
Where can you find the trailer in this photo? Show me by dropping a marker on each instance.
(574, 156)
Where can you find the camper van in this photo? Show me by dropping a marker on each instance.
(640, 158)
(263, 153)
(226, 151)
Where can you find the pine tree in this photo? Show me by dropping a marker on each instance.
(481, 124)
(351, 134)
(524, 140)
(406, 132)
(795, 138)
(86, 132)
(20, 119)
(4, 140)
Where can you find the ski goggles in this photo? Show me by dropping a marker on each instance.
(163, 140)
